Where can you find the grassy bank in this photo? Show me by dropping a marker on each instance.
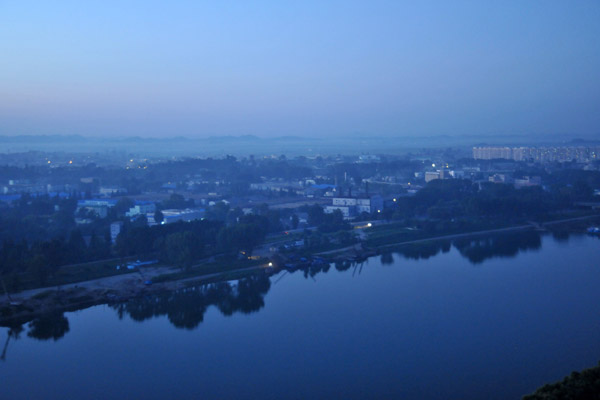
(67, 275)
(217, 267)
(388, 234)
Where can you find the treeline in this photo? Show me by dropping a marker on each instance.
(326, 222)
(184, 243)
(43, 258)
(36, 218)
(456, 198)
(180, 244)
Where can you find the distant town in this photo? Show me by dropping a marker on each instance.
(62, 209)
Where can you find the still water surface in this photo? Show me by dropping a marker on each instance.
(490, 318)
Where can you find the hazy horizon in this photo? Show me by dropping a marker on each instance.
(148, 69)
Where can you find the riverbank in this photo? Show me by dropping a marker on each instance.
(29, 304)
(359, 251)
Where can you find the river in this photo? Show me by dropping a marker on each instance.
(492, 318)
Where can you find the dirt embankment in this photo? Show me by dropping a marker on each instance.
(27, 305)
(30, 303)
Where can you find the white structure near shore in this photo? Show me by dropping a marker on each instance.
(351, 206)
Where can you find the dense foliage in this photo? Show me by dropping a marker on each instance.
(456, 198)
(584, 385)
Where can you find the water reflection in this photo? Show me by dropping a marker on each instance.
(14, 332)
(49, 326)
(476, 250)
(479, 250)
(185, 308)
(561, 236)
(423, 251)
(387, 259)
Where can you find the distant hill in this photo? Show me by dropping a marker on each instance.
(228, 139)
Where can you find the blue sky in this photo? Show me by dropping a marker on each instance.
(312, 68)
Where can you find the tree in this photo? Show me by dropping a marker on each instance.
(218, 212)
(274, 220)
(344, 237)
(315, 215)
(139, 221)
(177, 201)
(123, 205)
(295, 221)
(234, 215)
(76, 247)
(99, 247)
(54, 252)
(182, 249)
(245, 236)
(158, 217)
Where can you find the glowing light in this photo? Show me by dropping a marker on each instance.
(394, 199)
(378, 211)
(369, 224)
(270, 264)
(433, 165)
(49, 161)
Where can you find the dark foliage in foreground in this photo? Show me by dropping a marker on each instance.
(582, 385)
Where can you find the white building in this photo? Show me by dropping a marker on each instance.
(186, 215)
(430, 176)
(141, 207)
(351, 206)
(97, 206)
